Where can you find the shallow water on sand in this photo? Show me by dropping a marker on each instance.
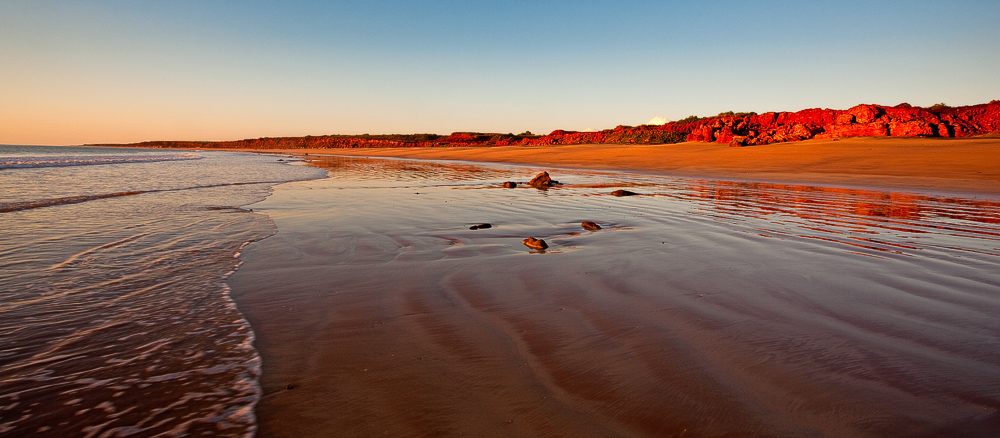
(114, 317)
(702, 308)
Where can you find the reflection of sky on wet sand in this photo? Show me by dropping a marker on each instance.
(387, 170)
(871, 220)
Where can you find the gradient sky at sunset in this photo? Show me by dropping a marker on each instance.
(75, 72)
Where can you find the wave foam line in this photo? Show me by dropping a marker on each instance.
(7, 207)
(35, 162)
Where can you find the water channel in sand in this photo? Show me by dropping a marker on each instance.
(702, 308)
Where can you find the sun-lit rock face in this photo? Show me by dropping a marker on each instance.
(860, 121)
(735, 129)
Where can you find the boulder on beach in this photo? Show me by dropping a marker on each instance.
(542, 180)
(480, 226)
(509, 185)
(534, 243)
(622, 193)
(590, 225)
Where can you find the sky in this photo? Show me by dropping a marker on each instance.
(82, 71)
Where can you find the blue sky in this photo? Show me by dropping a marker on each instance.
(121, 71)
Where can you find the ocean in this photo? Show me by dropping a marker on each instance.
(115, 318)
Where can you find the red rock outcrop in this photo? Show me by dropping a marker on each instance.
(902, 120)
(860, 121)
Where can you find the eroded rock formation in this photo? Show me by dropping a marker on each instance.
(860, 121)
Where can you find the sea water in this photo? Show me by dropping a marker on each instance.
(114, 316)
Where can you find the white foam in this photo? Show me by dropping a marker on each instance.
(87, 160)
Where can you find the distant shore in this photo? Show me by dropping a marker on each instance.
(734, 129)
(966, 165)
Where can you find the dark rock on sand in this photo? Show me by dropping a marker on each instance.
(510, 185)
(543, 180)
(532, 242)
(622, 193)
(480, 226)
(590, 225)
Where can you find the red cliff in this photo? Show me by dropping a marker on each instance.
(860, 121)
(742, 129)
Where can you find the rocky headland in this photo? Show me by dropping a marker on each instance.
(860, 121)
(735, 129)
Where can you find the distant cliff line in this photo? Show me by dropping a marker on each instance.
(736, 129)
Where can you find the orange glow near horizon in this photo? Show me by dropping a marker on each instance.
(112, 72)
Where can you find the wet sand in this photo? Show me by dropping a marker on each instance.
(702, 308)
(970, 165)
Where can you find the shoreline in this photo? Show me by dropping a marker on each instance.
(968, 166)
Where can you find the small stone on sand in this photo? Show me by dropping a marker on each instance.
(542, 180)
(532, 242)
(590, 225)
(622, 193)
(480, 226)
(510, 185)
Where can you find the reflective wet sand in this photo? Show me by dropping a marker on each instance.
(702, 308)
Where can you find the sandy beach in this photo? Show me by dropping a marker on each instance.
(970, 165)
(701, 308)
(322, 219)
